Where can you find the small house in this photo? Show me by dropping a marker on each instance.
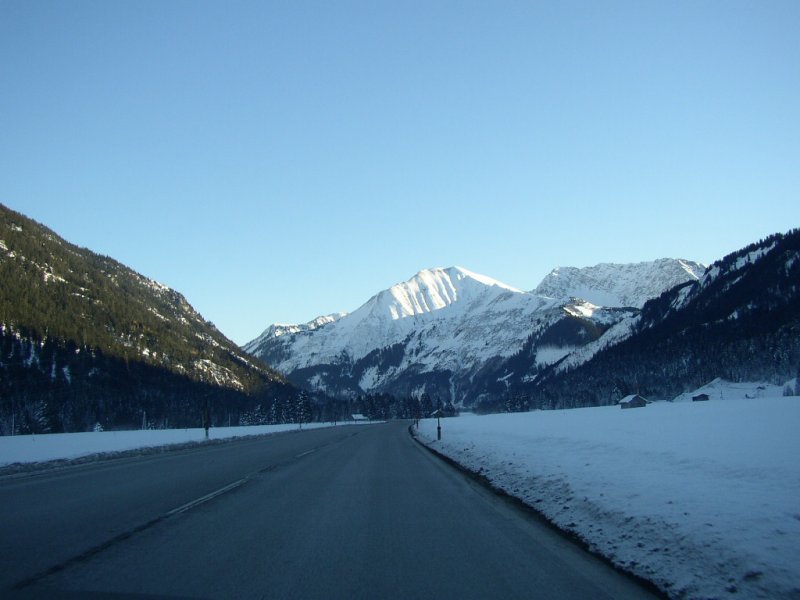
(359, 417)
(633, 401)
(700, 398)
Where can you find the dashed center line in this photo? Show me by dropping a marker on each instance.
(306, 453)
(206, 498)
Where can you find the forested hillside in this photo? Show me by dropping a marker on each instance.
(741, 322)
(86, 340)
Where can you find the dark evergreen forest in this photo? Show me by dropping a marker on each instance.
(86, 340)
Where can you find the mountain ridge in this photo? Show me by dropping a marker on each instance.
(616, 284)
(439, 327)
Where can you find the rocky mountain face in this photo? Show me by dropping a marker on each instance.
(422, 334)
(86, 340)
(610, 284)
(452, 333)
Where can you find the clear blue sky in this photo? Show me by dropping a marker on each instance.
(274, 161)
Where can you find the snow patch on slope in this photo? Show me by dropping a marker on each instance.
(548, 355)
(614, 335)
(750, 258)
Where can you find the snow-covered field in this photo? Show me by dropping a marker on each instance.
(702, 498)
(57, 446)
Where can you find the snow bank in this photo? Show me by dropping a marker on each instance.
(702, 498)
(57, 446)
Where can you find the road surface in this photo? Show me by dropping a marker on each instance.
(348, 512)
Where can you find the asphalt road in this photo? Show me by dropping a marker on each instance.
(350, 512)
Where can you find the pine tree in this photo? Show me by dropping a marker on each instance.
(303, 408)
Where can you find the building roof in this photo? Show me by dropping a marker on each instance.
(630, 398)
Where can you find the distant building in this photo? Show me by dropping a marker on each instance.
(700, 398)
(633, 401)
(359, 417)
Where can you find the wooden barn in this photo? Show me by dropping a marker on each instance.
(633, 401)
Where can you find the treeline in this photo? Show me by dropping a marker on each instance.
(53, 386)
(510, 402)
(325, 409)
(387, 406)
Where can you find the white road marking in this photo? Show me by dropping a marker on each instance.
(206, 498)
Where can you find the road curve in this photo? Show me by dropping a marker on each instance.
(353, 512)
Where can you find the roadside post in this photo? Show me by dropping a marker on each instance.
(206, 418)
(438, 414)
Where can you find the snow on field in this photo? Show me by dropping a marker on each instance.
(56, 446)
(719, 389)
(702, 498)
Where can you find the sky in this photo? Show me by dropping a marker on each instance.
(276, 161)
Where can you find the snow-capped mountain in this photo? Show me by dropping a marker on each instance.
(444, 331)
(609, 284)
(281, 329)
(439, 321)
(740, 321)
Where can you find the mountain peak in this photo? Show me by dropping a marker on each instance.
(461, 273)
(433, 289)
(436, 303)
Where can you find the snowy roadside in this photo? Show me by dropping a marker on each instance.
(701, 498)
(31, 450)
